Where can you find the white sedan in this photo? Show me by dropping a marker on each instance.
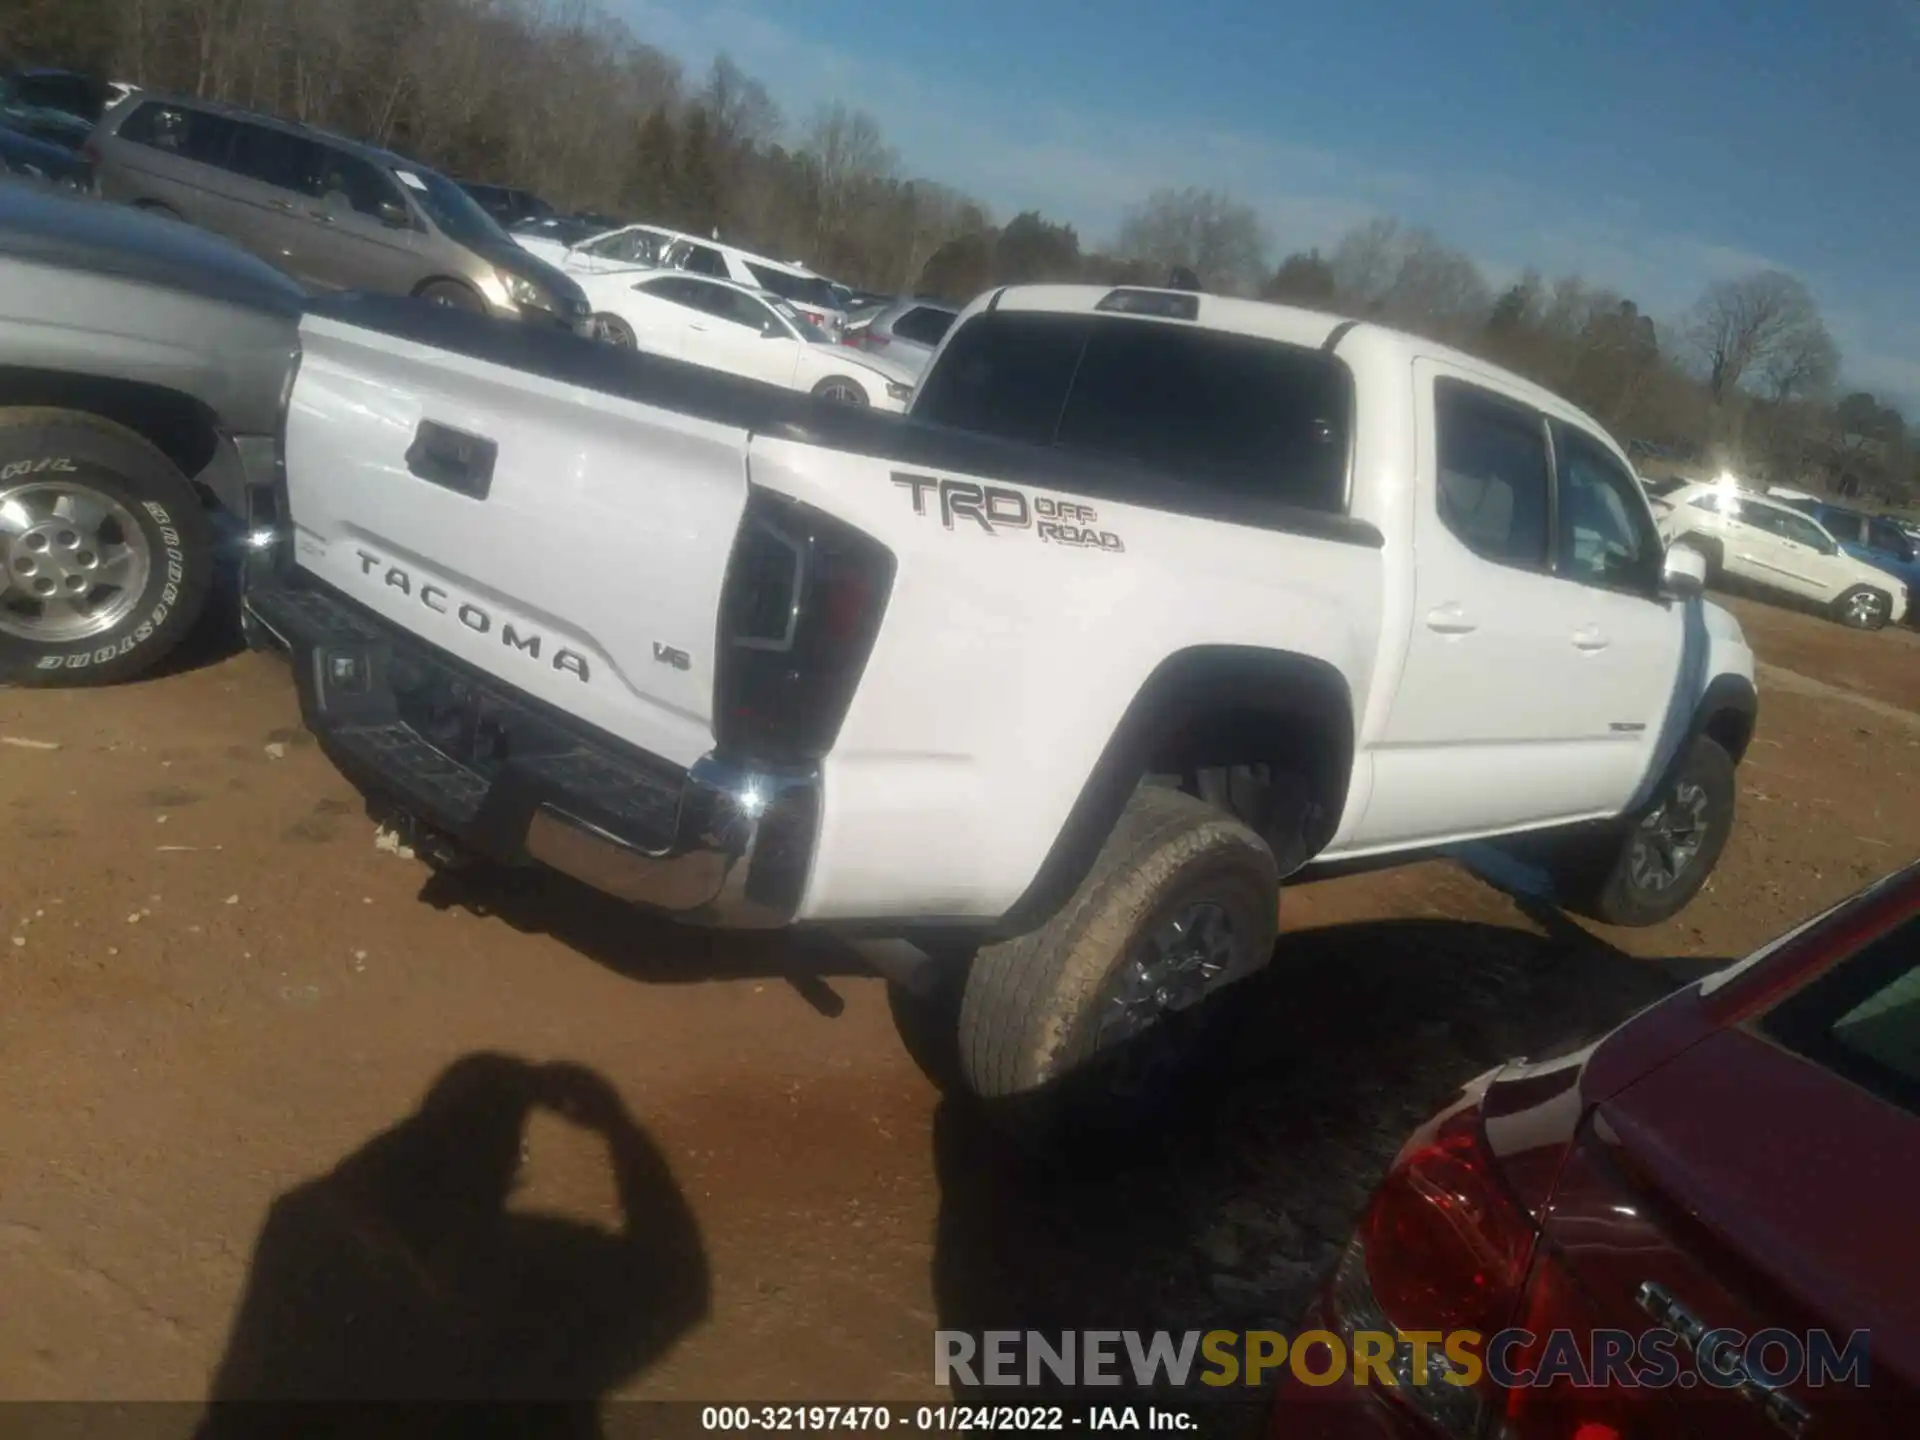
(732, 327)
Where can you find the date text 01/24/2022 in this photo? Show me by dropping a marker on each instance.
(862, 1419)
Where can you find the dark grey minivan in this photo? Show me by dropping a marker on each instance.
(332, 213)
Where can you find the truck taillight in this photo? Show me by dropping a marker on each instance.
(799, 612)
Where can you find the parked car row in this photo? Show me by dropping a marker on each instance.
(1784, 546)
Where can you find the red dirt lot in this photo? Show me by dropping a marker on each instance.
(222, 1010)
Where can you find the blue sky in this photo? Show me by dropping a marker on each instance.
(1650, 146)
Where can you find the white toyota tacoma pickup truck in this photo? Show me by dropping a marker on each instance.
(1153, 601)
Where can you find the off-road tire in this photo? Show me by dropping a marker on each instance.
(64, 446)
(1597, 880)
(1030, 1012)
(1845, 612)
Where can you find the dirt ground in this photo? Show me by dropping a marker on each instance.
(223, 1010)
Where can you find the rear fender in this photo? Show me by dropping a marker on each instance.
(1287, 707)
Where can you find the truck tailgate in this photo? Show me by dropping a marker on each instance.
(571, 543)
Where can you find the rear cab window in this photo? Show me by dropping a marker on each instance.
(1210, 408)
(1861, 1019)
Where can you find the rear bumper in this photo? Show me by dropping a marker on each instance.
(716, 844)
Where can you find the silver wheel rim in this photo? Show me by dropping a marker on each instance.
(73, 562)
(613, 332)
(843, 392)
(1669, 839)
(1863, 607)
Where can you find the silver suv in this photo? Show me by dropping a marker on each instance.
(332, 213)
(908, 331)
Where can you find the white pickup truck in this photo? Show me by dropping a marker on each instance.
(1153, 601)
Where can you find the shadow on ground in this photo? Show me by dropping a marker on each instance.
(641, 946)
(399, 1287)
(1229, 1208)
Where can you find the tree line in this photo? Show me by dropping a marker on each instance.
(559, 97)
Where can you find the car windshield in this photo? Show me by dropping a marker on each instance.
(806, 289)
(457, 213)
(809, 331)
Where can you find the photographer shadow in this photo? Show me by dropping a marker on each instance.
(400, 1294)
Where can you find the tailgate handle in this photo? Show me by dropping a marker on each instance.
(452, 459)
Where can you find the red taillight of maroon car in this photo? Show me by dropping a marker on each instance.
(1443, 1248)
(1446, 1247)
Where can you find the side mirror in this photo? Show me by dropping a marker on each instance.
(395, 216)
(773, 330)
(1684, 575)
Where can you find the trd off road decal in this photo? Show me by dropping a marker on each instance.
(995, 508)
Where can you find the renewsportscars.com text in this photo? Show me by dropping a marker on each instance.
(1646, 1359)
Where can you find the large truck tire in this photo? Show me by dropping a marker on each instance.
(1181, 901)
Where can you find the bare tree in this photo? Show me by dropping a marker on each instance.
(1802, 367)
(1747, 326)
(848, 157)
(1215, 236)
(1410, 278)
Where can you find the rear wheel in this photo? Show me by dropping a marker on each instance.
(841, 390)
(453, 295)
(1108, 993)
(1650, 870)
(106, 554)
(1863, 608)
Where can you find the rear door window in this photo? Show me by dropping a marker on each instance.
(273, 157)
(924, 325)
(1494, 474)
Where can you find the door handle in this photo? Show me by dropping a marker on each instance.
(285, 206)
(322, 216)
(701, 328)
(1450, 620)
(1590, 640)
